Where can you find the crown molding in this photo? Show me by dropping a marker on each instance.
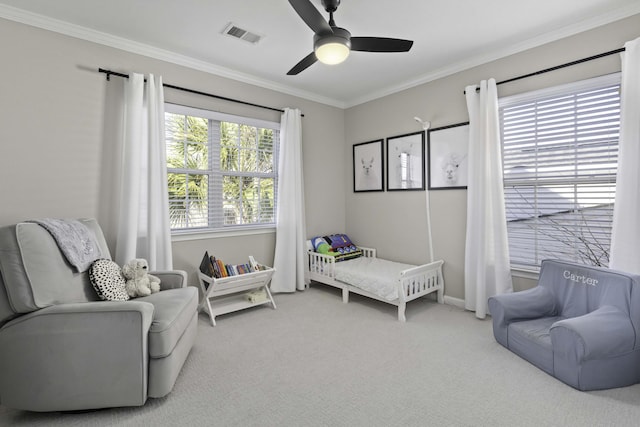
(80, 32)
(76, 31)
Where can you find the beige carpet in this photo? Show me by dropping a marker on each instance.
(318, 362)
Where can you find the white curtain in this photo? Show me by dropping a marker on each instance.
(142, 226)
(290, 230)
(625, 237)
(487, 268)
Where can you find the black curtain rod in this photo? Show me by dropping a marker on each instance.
(558, 67)
(110, 73)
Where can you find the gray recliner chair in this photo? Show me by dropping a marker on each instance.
(581, 324)
(61, 348)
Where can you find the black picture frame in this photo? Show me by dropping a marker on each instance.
(368, 170)
(448, 157)
(406, 162)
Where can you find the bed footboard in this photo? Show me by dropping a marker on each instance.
(419, 281)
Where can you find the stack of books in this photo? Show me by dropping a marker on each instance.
(216, 268)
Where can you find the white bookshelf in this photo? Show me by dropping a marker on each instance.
(229, 294)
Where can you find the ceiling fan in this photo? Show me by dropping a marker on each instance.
(332, 44)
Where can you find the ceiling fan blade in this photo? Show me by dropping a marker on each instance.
(308, 61)
(380, 44)
(311, 16)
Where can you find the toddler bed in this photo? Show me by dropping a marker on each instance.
(335, 261)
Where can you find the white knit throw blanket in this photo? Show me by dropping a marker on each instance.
(76, 241)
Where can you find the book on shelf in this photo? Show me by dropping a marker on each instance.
(216, 268)
(255, 266)
(206, 268)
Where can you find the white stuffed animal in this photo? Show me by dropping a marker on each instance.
(139, 282)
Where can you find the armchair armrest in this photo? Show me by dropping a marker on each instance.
(530, 304)
(602, 333)
(172, 279)
(76, 356)
(507, 308)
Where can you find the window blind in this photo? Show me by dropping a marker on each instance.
(222, 169)
(560, 155)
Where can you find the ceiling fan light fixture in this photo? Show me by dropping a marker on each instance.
(333, 48)
(332, 53)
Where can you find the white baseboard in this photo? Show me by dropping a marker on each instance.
(456, 302)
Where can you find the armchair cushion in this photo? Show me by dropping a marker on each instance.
(530, 339)
(30, 261)
(174, 310)
(106, 278)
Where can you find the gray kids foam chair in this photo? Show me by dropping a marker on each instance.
(61, 348)
(580, 324)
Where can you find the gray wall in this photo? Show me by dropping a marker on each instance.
(395, 222)
(52, 136)
(53, 104)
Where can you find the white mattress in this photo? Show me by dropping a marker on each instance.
(375, 275)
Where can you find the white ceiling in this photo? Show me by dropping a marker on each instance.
(449, 36)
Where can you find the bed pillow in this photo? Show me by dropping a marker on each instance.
(337, 245)
(341, 243)
(320, 245)
(108, 281)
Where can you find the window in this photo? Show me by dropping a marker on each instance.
(560, 155)
(221, 170)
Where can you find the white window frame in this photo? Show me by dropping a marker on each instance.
(215, 196)
(536, 181)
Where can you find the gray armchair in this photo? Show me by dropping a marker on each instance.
(61, 348)
(581, 324)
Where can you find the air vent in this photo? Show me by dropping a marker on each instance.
(242, 34)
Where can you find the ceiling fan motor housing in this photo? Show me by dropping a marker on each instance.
(340, 35)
